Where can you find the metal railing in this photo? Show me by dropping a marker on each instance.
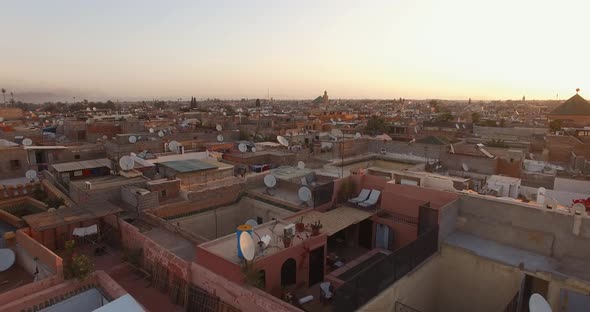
(377, 277)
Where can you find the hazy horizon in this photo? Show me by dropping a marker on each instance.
(456, 49)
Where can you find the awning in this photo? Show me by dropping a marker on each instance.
(337, 219)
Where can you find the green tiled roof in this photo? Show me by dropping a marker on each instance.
(576, 105)
(189, 165)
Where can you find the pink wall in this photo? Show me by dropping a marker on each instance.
(35, 249)
(271, 264)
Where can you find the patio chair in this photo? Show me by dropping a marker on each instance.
(326, 293)
(363, 195)
(372, 201)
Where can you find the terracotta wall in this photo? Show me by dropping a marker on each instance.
(37, 250)
(10, 191)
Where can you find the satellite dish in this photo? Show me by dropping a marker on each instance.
(31, 174)
(36, 124)
(132, 139)
(242, 147)
(220, 138)
(282, 141)
(465, 167)
(126, 163)
(339, 119)
(337, 133)
(457, 126)
(358, 135)
(538, 304)
(301, 165)
(270, 180)
(173, 146)
(304, 193)
(94, 109)
(152, 130)
(579, 209)
(89, 121)
(87, 109)
(27, 142)
(104, 137)
(61, 122)
(247, 246)
(6, 259)
(1, 119)
(251, 223)
(160, 133)
(218, 127)
(253, 150)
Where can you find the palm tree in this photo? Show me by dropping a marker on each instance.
(4, 95)
(11, 98)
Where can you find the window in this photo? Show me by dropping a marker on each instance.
(259, 220)
(15, 164)
(76, 156)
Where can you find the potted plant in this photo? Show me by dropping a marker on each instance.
(287, 238)
(315, 228)
(299, 225)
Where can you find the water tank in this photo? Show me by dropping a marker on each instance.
(242, 229)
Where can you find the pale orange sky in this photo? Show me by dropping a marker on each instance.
(452, 49)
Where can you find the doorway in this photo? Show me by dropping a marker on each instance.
(366, 234)
(531, 286)
(289, 272)
(316, 266)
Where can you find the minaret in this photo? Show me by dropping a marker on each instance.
(325, 97)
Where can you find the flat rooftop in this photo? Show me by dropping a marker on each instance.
(188, 165)
(70, 215)
(334, 220)
(82, 165)
(289, 173)
(108, 181)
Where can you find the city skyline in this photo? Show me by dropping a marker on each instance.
(452, 50)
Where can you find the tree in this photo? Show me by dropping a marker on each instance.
(475, 117)
(376, 125)
(445, 116)
(78, 267)
(555, 125)
(434, 105)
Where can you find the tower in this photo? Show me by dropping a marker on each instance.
(325, 97)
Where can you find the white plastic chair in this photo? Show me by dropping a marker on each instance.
(373, 199)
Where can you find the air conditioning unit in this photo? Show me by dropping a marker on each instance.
(88, 185)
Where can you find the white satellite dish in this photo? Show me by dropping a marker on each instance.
(7, 258)
(94, 109)
(457, 126)
(579, 209)
(126, 163)
(104, 137)
(27, 142)
(89, 121)
(304, 193)
(220, 138)
(36, 124)
(61, 122)
(173, 146)
(132, 139)
(152, 130)
(358, 135)
(339, 119)
(282, 141)
(465, 167)
(31, 174)
(538, 304)
(253, 150)
(301, 165)
(337, 133)
(218, 127)
(242, 147)
(247, 246)
(270, 180)
(265, 240)
(160, 133)
(251, 223)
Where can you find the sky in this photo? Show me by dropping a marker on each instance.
(452, 49)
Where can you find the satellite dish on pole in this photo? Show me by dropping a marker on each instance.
(173, 146)
(132, 139)
(7, 258)
(31, 174)
(27, 142)
(282, 141)
(242, 147)
(253, 150)
(358, 135)
(152, 130)
(220, 138)
(126, 163)
(247, 246)
(304, 193)
(160, 133)
(270, 181)
(251, 223)
(337, 133)
(218, 127)
(61, 122)
(301, 165)
(538, 304)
